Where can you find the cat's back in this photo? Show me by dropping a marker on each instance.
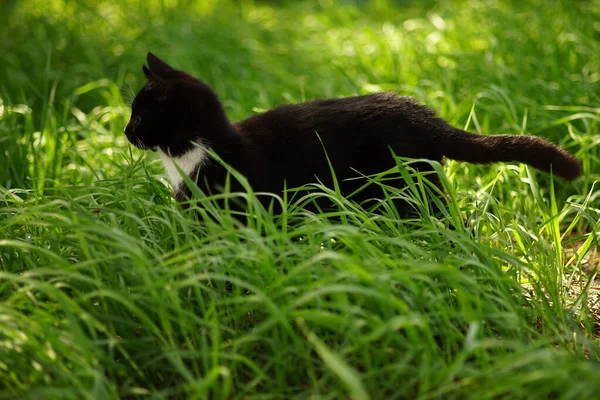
(325, 114)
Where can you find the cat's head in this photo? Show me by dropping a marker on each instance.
(172, 110)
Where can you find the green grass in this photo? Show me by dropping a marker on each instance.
(107, 290)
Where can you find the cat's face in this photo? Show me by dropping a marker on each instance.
(147, 126)
(172, 110)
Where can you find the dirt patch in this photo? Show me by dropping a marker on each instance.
(590, 268)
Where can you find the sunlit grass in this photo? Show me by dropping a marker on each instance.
(108, 290)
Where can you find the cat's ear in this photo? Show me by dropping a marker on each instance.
(158, 66)
(147, 72)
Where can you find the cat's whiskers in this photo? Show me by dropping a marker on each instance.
(127, 94)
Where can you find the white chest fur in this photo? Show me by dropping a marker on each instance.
(187, 162)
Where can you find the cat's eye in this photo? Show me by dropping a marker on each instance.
(136, 120)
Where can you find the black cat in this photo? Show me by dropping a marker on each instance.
(288, 146)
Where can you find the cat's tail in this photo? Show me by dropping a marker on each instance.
(532, 150)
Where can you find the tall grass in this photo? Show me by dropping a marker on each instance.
(108, 290)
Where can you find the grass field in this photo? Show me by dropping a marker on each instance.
(108, 291)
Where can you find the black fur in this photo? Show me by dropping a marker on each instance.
(286, 144)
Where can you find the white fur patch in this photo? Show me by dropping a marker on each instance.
(188, 162)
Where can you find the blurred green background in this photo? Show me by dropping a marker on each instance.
(515, 61)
